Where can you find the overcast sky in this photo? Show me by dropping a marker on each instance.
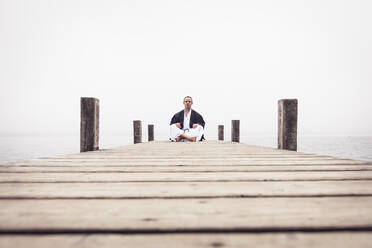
(140, 58)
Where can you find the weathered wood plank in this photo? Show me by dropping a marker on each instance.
(186, 176)
(193, 157)
(183, 158)
(185, 189)
(209, 147)
(196, 162)
(149, 169)
(238, 194)
(183, 151)
(187, 214)
(227, 240)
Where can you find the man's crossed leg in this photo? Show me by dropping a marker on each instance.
(179, 135)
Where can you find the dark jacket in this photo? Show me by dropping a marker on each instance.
(195, 118)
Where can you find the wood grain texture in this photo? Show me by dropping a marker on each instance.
(227, 240)
(185, 189)
(187, 214)
(235, 131)
(137, 131)
(150, 169)
(187, 176)
(287, 124)
(89, 124)
(189, 162)
(183, 195)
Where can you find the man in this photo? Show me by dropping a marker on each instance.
(187, 125)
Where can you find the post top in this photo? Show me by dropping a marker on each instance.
(89, 98)
(288, 100)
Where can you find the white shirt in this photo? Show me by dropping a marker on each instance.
(186, 120)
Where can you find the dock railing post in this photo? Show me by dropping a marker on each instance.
(150, 132)
(235, 131)
(137, 131)
(221, 134)
(287, 124)
(89, 124)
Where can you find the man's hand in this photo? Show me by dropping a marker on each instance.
(178, 125)
(195, 126)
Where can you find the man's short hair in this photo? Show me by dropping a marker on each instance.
(187, 97)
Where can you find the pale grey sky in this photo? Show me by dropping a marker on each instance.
(140, 58)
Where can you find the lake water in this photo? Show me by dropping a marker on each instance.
(15, 148)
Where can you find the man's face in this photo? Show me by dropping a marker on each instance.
(187, 102)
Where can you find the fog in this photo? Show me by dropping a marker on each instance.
(140, 58)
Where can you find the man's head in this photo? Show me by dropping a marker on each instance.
(187, 102)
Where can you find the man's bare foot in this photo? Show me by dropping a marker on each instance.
(184, 136)
(179, 138)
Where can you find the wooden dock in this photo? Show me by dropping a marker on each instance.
(206, 194)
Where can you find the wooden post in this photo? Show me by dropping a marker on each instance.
(137, 131)
(89, 124)
(235, 131)
(150, 132)
(221, 134)
(287, 124)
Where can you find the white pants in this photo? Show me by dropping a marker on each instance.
(197, 132)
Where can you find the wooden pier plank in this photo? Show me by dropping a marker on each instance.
(186, 176)
(216, 162)
(159, 187)
(185, 189)
(150, 169)
(185, 156)
(138, 215)
(227, 240)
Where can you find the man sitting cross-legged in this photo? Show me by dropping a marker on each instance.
(187, 125)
